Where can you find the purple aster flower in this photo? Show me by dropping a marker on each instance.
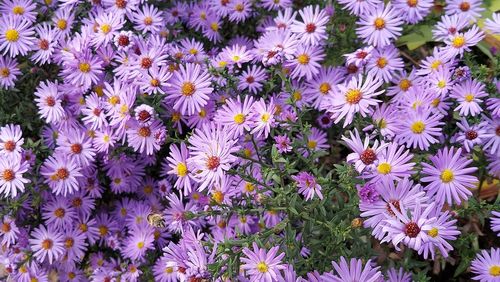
(252, 79)
(449, 26)
(419, 129)
(312, 29)
(377, 207)
(322, 85)
(384, 62)
(493, 106)
(47, 244)
(283, 143)
(307, 185)
(239, 10)
(435, 62)
(468, 94)
(352, 97)
(461, 42)
(235, 115)
(315, 141)
(379, 26)
(189, 88)
(59, 214)
(146, 138)
(138, 243)
(77, 146)
(444, 228)
(260, 265)
(262, 117)
(413, 11)
(364, 156)
(9, 71)
(12, 182)
(353, 271)
(11, 140)
(359, 57)
(471, 9)
(359, 8)
(450, 176)
(384, 119)
(409, 226)
(441, 81)
(461, 73)
(177, 165)
(211, 154)
(486, 265)
(306, 63)
(83, 70)
(275, 46)
(9, 232)
(148, 19)
(393, 164)
(470, 135)
(16, 35)
(61, 174)
(25, 9)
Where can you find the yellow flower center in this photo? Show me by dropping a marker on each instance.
(84, 67)
(62, 24)
(12, 35)
(418, 127)
(469, 97)
(188, 89)
(441, 84)
(447, 176)
(140, 245)
(381, 62)
(353, 96)
(495, 270)
(382, 123)
(114, 100)
(384, 168)
(412, 3)
(181, 169)
(18, 10)
(214, 26)
(324, 88)
(433, 232)
(435, 102)
(169, 269)
(106, 138)
(404, 84)
(297, 96)
(436, 64)
(458, 41)
(303, 59)
(311, 144)
(105, 28)
(379, 23)
(265, 117)
(239, 118)
(148, 20)
(218, 197)
(202, 113)
(249, 187)
(4, 72)
(262, 267)
(236, 58)
(103, 230)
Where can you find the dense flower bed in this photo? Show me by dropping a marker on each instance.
(239, 140)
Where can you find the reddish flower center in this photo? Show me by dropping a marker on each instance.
(62, 173)
(144, 115)
(59, 212)
(250, 79)
(412, 229)
(352, 68)
(8, 175)
(122, 4)
(464, 6)
(97, 112)
(77, 202)
(146, 63)
(361, 54)
(47, 244)
(11, 145)
(76, 148)
(5, 227)
(213, 162)
(412, 3)
(123, 40)
(471, 135)
(394, 203)
(310, 28)
(43, 44)
(145, 131)
(497, 131)
(368, 156)
(452, 30)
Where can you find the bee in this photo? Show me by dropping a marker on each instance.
(156, 220)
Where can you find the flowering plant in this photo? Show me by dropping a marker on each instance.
(238, 140)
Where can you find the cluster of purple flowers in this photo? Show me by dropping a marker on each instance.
(157, 123)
